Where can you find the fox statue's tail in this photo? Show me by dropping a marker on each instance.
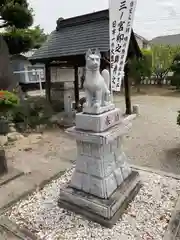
(106, 76)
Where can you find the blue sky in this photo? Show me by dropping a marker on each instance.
(152, 17)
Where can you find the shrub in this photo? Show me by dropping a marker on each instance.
(8, 100)
(29, 115)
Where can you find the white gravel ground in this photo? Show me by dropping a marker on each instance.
(146, 218)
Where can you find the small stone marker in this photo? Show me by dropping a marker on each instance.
(135, 109)
(102, 184)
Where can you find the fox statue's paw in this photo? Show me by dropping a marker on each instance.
(97, 105)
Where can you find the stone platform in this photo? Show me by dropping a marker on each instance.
(102, 183)
(104, 211)
(98, 123)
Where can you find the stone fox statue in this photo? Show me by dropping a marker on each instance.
(96, 85)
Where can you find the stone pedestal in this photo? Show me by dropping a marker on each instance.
(102, 183)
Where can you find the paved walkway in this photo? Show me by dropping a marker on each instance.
(40, 159)
(154, 140)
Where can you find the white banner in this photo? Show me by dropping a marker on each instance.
(121, 14)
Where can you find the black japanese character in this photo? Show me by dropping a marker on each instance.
(129, 24)
(127, 30)
(123, 51)
(130, 10)
(107, 121)
(114, 24)
(122, 13)
(112, 51)
(115, 69)
(120, 26)
(131, 4)
(114, 31)
(117, 85)
(116, 58)
(121, 63)
(120, 69)
(123, 5)
(112, 45)
(124, 45)
(113, 79)
(126, 39)
(122, 56)
(118, 48)
(112, 58)
(120, 37)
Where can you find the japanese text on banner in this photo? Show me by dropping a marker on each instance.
(121, 13)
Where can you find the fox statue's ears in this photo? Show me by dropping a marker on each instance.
(88, 53)
(96, 52)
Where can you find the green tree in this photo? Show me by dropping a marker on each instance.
(162, 59)
(141, 68)
(38, 36)
(22, 40)
(15, 16)
(15, 13)
(175, 68)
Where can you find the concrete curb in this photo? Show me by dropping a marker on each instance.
(152, 170)
(22, 234)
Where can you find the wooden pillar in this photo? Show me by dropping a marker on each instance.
(76, 87)
(127, 90)
(48, 82)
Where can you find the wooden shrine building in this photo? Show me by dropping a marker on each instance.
(67, 45)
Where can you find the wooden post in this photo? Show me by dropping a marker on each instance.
(3, 162)
(76, 87)
(48, 82)
(127, 90)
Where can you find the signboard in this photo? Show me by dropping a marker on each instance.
(59, 74)
(121, 14)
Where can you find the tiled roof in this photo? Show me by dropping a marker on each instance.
(75, 35)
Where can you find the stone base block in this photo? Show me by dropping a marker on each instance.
(92, 110)
(98, 123)
(104, 211)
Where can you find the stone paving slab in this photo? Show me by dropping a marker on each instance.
(10, 231)
(20, 187)
(6, 235)
(10, 175)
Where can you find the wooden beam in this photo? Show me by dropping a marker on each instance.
(48, 82)
(76, 87)
(127, 90)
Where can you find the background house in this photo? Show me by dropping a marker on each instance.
(25, 72)
(142, 42)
